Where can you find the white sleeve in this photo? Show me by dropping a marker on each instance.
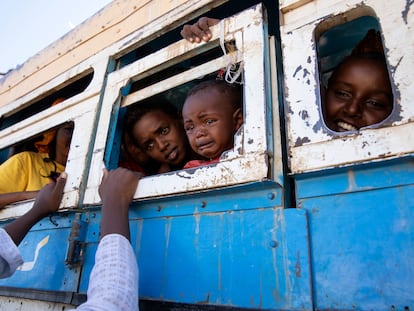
(10, 257)
(113, 283)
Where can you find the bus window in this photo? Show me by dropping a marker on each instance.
(66, 90)
(316, 142)
(135, 157)
(355, 83)
(36, 161)
(169, 73)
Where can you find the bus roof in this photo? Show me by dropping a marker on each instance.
(110, 24)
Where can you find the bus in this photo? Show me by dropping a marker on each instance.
(296, 216)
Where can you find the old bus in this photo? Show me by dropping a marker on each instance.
(296, 217)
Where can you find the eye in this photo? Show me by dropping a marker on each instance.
(189, 127)
(209, 121)
(149, 146)
(342, 94)
(165, 130)
(376, 104)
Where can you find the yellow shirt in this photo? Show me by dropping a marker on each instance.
(26, 171)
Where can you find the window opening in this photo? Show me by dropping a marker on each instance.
(124, 151)
(176, 69)
(69, 89)
(33, 162)
(126, 88)
(365, 98)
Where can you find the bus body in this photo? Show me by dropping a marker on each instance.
(295, 217)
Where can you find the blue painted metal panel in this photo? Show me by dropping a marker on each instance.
(255, 259)
(231, 247)
(44, 251)
(365, 177)
(362, 243)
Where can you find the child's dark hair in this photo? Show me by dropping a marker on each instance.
(137, 111)
(233, 91)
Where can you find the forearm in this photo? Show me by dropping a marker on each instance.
(7, 198)
(18, 229)
(115, 220)
(113, 283)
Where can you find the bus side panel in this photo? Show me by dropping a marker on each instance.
(243, 258)
(231, 247)
(362, 229)
(44, 250)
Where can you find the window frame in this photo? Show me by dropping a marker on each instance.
(249, 166)
(81, 109)
(311, 145)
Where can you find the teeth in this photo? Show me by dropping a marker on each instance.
(347, 126)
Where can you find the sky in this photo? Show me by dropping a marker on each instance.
(28, 26)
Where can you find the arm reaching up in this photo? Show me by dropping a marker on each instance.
(117, 190)
(113, 283)
(47, 201)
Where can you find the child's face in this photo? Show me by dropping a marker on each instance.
(63, 139)
(210, 122)
(161, 137)
(358, 95)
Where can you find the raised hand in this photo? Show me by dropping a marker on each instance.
(200, 31)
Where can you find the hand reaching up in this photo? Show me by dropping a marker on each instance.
(49, 197)
(117, 191)
(47, 201)
(200, 31)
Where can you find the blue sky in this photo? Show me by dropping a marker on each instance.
(28, 26)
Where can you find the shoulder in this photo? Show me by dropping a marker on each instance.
(26, 159)
(27, 155)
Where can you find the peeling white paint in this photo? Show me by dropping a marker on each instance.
(313, 147)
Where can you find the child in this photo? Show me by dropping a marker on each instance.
(212, 115)
(25, 173)
(156, 127)
(359, 91)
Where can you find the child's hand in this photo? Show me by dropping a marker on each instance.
(49, 197)
(199, 31)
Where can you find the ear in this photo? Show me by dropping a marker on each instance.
(238, 119)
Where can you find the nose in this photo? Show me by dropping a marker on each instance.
(199, 131)
(353, 108)
(161, 144)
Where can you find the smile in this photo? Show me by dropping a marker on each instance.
(346, 126)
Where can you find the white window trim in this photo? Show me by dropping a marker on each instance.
(247, 29)
(311, 146)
